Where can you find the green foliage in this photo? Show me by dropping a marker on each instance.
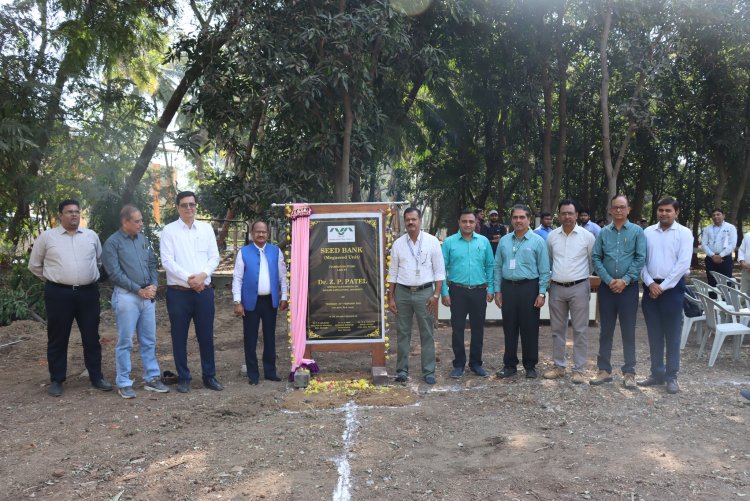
(21, 293)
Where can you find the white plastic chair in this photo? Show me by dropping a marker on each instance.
(721, 330)
(689, 322)
(705, 289)
(724, 280)
(740, 302)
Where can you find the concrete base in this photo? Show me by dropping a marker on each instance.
(380, 376)
(301, 379)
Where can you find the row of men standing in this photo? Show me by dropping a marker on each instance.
(68, 258)
(524, 269)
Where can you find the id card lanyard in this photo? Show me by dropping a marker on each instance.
(516, 247)
(418, 254)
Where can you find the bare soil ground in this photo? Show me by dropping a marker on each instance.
(468, 439)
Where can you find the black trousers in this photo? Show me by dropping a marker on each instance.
(63, 306)
(264, 311)
(520, 318)
(725, 268)
(474, 303)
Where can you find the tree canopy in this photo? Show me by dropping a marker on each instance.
(446, 104)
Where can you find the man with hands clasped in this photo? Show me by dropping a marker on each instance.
(467, 289)
(521, 276)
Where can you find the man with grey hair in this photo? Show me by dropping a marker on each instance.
(131, 264)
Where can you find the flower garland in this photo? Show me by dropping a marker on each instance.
(388, 244)
(349, 387)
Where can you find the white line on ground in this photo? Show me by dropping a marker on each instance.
(344, 484)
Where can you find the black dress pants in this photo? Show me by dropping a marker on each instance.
(63, 306)
(520, 318)
(474, 303)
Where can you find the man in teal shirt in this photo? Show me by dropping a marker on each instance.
(467, 290)
(618, 256)
(522, 275)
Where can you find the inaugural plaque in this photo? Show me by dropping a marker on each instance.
(345, 288)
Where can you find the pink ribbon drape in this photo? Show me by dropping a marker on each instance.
(300, 270)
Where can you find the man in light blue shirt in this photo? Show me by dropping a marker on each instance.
(587, 223)
(618, 256)
(467, 289)
(522, 275)
(545, 226)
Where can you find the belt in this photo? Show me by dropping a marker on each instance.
(522, 281)
(415, 288)
(569, 284)
(455, 284)
(72, 287)
(188, 289)
(658, 280)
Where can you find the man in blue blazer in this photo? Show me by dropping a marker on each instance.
(259, 288)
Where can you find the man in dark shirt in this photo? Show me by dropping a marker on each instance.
(495, 230)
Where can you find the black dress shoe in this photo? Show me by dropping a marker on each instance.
(183, 386)
(55, 389)
(531, 373)
(506, 372)
(273, 378)
(213, 384)
(673, 387)
(649, 381)
(252, 380)
(102, 384)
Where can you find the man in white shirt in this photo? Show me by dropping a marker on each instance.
(190, 255)
(415, 278)
(743, 256)
(669, 250)
(718, 241)
(570, 248)
(259, 287)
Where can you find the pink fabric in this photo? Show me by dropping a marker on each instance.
(300, 268)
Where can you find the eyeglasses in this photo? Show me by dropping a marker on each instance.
(619, 208)
(72, 212)
(188, 205)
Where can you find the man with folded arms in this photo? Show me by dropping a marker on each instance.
(68, 258)
(190, 255)
(618, 256)
(521, 278)
(467, 289)
(669, 251)
(131, 265)
(415, 278)
(570, 247)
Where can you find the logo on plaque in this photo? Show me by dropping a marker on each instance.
(341, 234)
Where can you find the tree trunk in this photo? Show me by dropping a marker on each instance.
(547, 142)
(562, 142)
(207, 46)
(341, 177)
(604, 101)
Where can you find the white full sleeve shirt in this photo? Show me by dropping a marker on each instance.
(668, 254)
(188, 251)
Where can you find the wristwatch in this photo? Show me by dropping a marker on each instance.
(543, 295)
(237, 302)
(437, 296)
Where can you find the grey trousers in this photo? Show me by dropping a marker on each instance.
(412, 304)
(574, 299)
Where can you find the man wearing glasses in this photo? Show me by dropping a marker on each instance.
(68, 258)
(619, 255)
(190, 255)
